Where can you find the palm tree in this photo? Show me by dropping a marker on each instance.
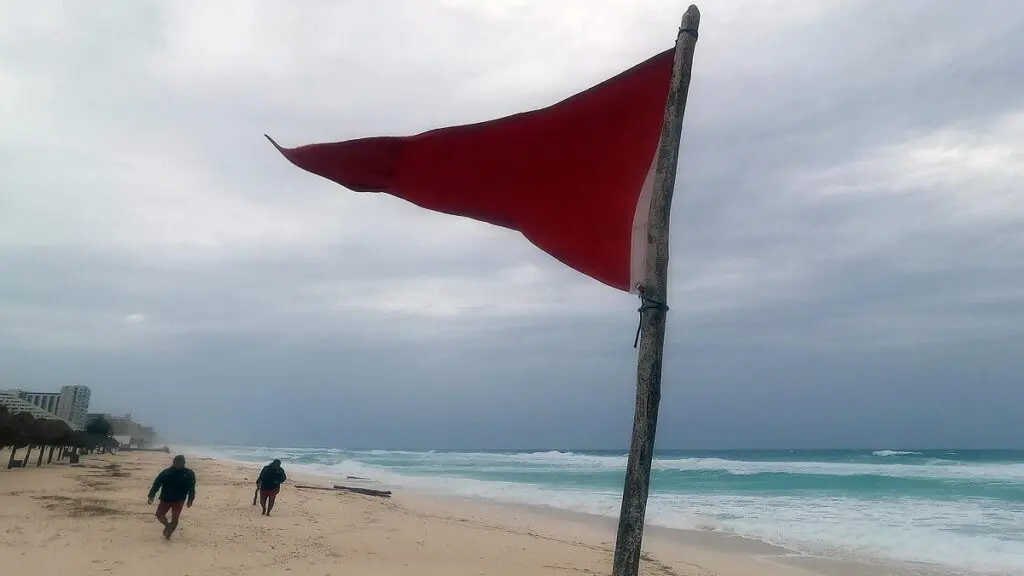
(99, 426)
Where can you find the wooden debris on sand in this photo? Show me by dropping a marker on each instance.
(366, 491)
(363, 491)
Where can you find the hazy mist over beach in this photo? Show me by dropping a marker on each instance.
(847, 233)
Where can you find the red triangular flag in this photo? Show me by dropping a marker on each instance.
(575, 178)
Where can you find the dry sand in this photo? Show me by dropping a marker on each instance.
(92, 519)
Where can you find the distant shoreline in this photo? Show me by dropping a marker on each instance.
(98, 511)
(711, 539)
(658, 450)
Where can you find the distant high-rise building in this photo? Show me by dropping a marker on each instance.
(74, 404)
(48, 401)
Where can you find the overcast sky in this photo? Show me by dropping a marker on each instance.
(848, 230)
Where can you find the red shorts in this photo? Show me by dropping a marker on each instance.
(173, 507)
(268, 493)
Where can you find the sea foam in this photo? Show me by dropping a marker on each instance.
(902, 511)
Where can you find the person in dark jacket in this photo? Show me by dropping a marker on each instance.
(177, 486)
(269, 483)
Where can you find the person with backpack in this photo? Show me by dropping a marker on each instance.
(269, 484)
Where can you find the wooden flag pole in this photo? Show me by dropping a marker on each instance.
(653, 310)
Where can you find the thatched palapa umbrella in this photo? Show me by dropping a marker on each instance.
(23, 430)
(48, 432)
(10, 432)
(22, 425)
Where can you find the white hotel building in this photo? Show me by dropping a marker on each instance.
(70, 404)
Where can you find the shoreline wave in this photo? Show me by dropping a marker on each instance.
(852, 506)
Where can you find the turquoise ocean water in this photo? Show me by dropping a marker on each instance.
(961, 510)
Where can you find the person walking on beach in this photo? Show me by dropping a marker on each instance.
(269, 484)
(177, 486)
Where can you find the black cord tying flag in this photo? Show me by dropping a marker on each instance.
(645, 305)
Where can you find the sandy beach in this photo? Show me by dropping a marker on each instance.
(92, 519)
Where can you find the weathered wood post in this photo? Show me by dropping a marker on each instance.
(654, 310)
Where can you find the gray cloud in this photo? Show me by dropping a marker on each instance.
(846, 236)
